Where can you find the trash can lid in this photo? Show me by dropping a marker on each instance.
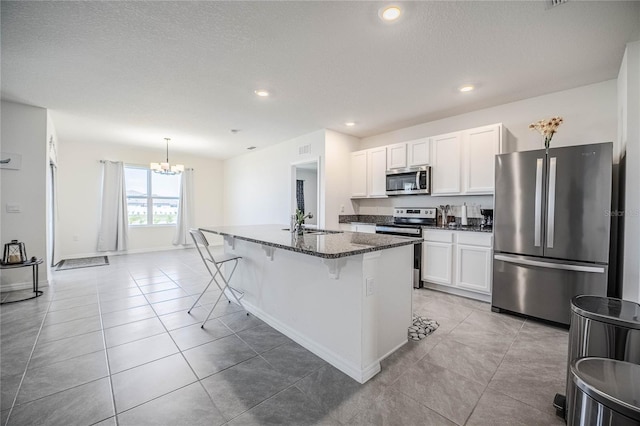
(608, 310)
(614, 384)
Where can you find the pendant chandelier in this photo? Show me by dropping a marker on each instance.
(166, 168)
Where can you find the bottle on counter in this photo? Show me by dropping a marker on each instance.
(463, 215)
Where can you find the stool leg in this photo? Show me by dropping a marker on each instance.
(201, 294)
(212, 308)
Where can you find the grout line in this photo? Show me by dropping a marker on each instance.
(106, 355)
(198, 380)
(24, 373)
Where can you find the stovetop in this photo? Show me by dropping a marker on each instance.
(412, 217)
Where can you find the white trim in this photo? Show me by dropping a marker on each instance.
(458, 292)
(361, 375)
(25, 285)
(394, 349)
(133, 251)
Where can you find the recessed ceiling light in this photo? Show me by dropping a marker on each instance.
(350, 123)
(389, 13)
(262, 93)
(466, 88)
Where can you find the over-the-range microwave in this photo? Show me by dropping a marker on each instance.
(414, 180)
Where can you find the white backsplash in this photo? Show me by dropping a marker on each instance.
(385, 206)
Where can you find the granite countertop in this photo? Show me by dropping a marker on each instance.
(465, 229)
(329, 245)
(388, 220)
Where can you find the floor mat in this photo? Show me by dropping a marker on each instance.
(83, 262)
(422, 327)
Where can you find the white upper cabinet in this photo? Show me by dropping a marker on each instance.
(397, 156)
(408, 154)
(480, 147)
(445, 174)
(418, 152)
(377, 167)
(463, 162)
(368, 173)
(359, 174)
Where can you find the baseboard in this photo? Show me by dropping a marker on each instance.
(458, 292)
(25, 285)
(394, 349)
(134, 251)
(361, 375)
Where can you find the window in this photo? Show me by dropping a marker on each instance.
(152, 198)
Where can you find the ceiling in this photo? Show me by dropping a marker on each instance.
(136, 72)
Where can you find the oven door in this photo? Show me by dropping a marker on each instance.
(417, 248)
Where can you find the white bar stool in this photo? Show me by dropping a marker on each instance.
(202, 245)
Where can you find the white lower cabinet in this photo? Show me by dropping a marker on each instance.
(458, 259)
(363, 227)
(474, 268)
(437, 259)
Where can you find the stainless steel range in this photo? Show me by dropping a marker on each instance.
(408, 222)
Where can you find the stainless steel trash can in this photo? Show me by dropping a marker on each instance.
(606, 392)
(601, 327)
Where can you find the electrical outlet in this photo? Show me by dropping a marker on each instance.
(371, 288)
(341, 209)
(13, 208)
(76, 238)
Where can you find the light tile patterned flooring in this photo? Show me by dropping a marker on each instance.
(114, 345)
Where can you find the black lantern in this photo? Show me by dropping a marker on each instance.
(14, 252)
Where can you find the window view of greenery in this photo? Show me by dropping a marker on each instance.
(152, 198)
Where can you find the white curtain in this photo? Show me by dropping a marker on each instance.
(114, 223)
(185, 209)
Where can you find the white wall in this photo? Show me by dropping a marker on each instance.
(79, 195)
(629, 143)
(258, 184)
(589, 117)
(24, 132)
(337, 166)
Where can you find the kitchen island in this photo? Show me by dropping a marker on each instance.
(345, 296)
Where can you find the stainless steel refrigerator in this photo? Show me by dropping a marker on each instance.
(551, 227)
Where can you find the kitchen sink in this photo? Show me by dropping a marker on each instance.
(315, 231)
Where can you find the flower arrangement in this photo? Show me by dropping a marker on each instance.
(547, 128)
(298, 220)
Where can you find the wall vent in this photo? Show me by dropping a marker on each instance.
(304, 149)
(554, 3)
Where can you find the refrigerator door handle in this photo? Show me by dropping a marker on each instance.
(562, 266)
(538, 206)
(551, 211)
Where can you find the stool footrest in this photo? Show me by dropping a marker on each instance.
(239, 294)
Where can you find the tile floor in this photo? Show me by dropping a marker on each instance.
(114, 345)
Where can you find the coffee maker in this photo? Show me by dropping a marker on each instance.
(487, 219)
